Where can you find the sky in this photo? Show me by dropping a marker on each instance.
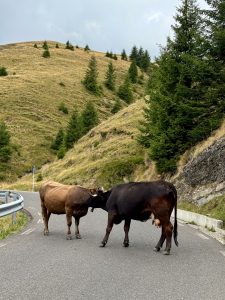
(104, 25)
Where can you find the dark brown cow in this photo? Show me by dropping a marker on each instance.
(60, 199)
(140, 201)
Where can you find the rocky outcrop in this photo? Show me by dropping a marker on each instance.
(203, 177)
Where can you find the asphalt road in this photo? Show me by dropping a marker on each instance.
(34, 266)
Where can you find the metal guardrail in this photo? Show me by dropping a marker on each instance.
(12, 202)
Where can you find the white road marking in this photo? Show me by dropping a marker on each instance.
(40, 221)
(3, 245)
(202, 236)
(222, 252)
(27, 231)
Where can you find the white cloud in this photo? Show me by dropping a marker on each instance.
(93, 25)
(154, 17)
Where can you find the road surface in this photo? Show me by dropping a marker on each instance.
(34, 266)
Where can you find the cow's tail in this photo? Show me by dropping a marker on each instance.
(175, 233)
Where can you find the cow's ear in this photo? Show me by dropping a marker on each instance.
(101, 189)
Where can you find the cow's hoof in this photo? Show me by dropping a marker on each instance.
(126, 244)
(166, 252)
(102, 245)
(69, 237)
(78, 236)
(46, 232)
(156, 249)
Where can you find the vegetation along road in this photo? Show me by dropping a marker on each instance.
(34, 266)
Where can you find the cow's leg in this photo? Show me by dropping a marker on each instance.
(126, 230)
(108, 229)
(69, 223)
(161, 241)
(45, 218)
(168, 233)
(77, 233)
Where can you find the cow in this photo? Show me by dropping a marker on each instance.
(140, 201)
(59, 199)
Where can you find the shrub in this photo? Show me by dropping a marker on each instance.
(35, 46)
(3, 71)
(39, 177)
(62, 107)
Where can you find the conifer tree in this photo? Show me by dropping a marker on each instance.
(134, 54)
(133, 72)
(73, 130)
(5, 149)
(123, 55)
(35, 45)
(110, 77)
(89, 117)
(59, 140)
(114, 57)
(117, 106)
(87, 49)
(125, 90)
(140, 57)
(57, 45)
(46, 53)
(69, 46)
(180, 110)
(90, 80)
(45, 45)
(145, 61)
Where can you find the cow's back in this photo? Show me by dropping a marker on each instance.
(126, 199)
(54, 195)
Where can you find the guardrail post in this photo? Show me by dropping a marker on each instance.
(14, 214)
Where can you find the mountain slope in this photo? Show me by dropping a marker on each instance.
(31, 93)
(108, 154)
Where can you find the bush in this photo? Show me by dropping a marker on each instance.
(87, 49)
(39, 177)
(115, 171)
(45, 45)
(3, 71)
(69, 46)
(57, 45)
(62, 84)
(35, 46)
(62, 107)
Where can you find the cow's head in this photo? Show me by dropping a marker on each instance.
(99, 199)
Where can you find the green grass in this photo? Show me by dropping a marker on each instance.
(214, 208)
(6, 226)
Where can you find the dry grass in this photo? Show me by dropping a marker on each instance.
(106, 155)
(31, 94)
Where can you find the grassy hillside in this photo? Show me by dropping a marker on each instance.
(31, 93)
(108, 154)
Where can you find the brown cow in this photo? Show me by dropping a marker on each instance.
(60, 199)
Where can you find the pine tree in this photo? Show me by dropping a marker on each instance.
(133, 72)
(134, 54)
(114, 57)
(145, 61)
(35, 45)
(59, 140)
(123, 55)
(5, 148)
(89, 117)
(45, 45)
(69, 46)
(57, 45)
(90, 80)
(73, 130)
(116, 107)
(110, 54)
(87, 49)
(46, 53)
(110, 77)
(125, 91)
(107, 54)
(140, 57)
(181, 109)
